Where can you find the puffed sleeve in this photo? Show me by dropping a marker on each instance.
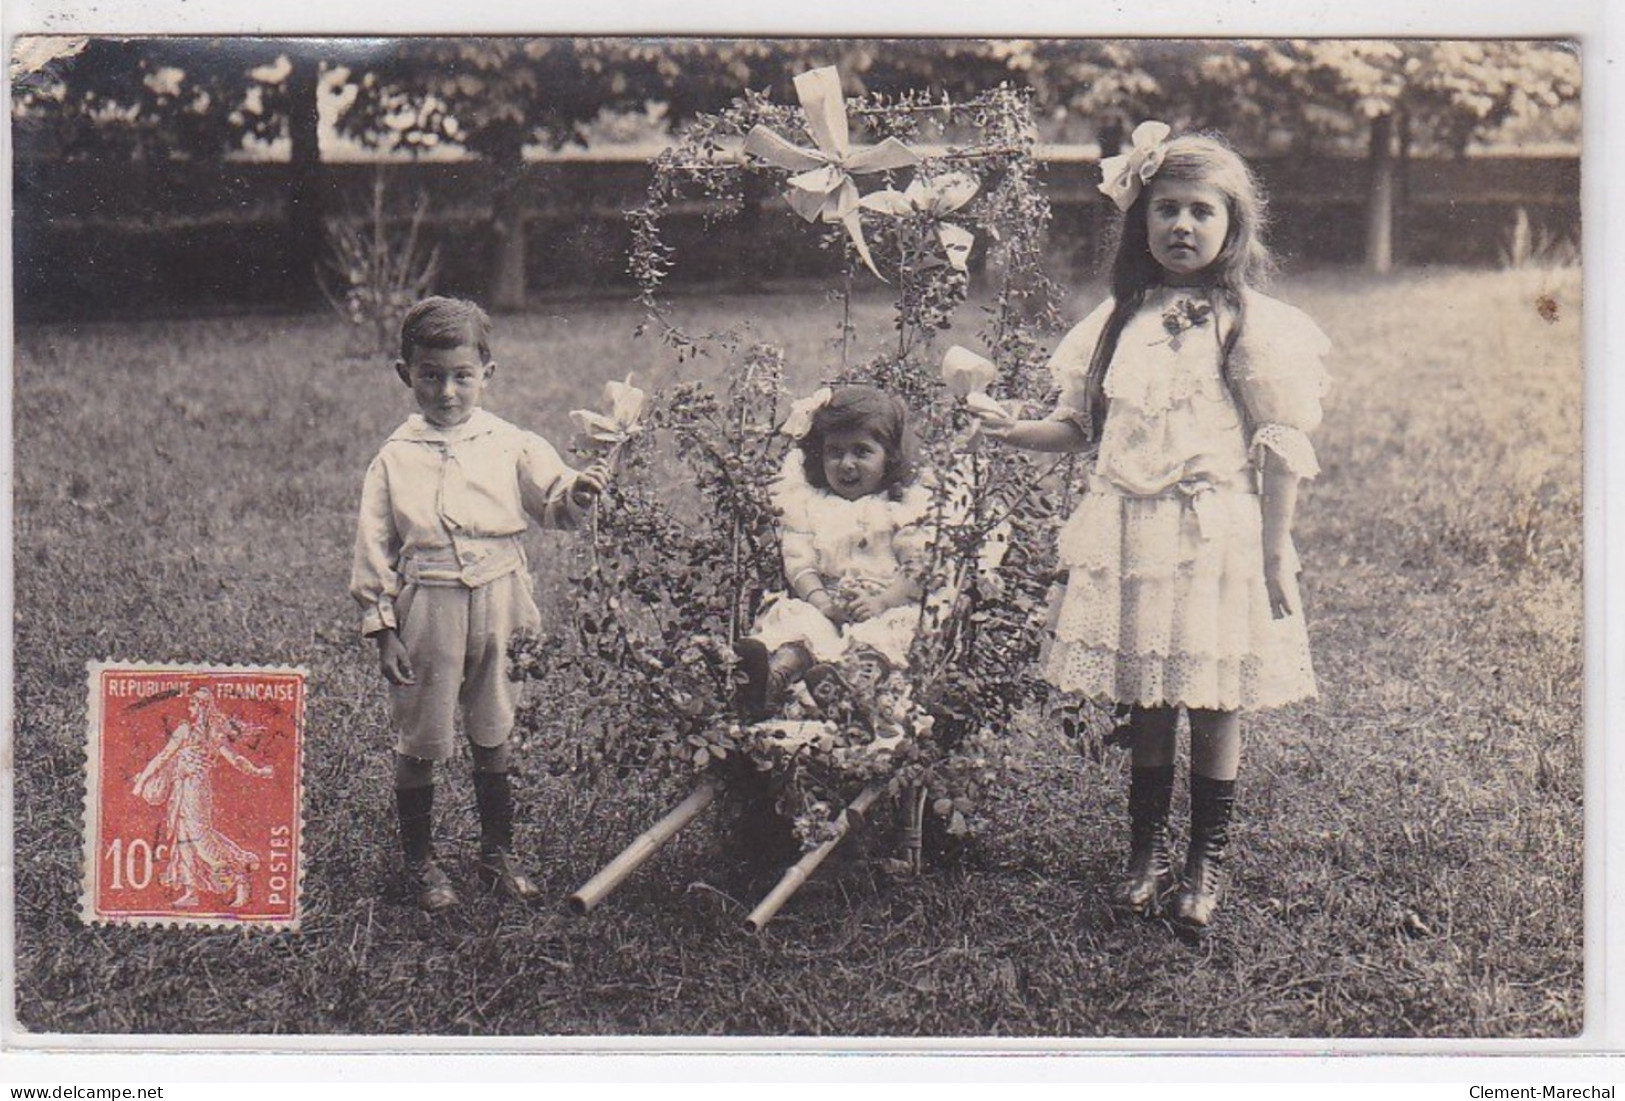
(795, 500)
(375, 580)
(1069, 367)
(1278, 374)
(545, 481)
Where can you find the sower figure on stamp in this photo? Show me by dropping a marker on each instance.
(199, 856)
(444, 585)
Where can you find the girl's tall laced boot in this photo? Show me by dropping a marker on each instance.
(498, 871)
(428, 883)
(1204, 880)
(1150, 876)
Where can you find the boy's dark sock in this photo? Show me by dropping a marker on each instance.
(493, 795)
(415, 808)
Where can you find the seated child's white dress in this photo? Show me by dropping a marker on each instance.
(857, 546)
(1165, 601)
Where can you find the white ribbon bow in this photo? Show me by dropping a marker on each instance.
(967, 373)
(800, 420)
(608, 432)
(823, 189)
(1122, 176)
(936, 198)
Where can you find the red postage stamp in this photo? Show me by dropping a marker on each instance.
(192, 800)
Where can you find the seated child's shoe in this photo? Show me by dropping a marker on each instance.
(499, 874)
(750, 700)
(430, 886)
(825, 685)
(784, 667)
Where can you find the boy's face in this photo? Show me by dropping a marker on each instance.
(448, 383)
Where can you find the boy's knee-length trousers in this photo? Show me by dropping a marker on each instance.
(457, 639)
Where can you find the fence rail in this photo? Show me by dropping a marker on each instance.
(95, 239)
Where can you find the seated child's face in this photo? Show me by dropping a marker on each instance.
(854, 463)
(448, 383)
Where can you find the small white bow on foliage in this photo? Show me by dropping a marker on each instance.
(967, 376)
(966, 373)
(823, 189)
(608, 432)
(800, 420)
(936, 198)
(1122, 176)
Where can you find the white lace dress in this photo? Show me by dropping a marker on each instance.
(1165, 601)
(855, 546)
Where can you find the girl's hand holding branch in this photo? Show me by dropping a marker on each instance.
(1040, 435)
(392, 660)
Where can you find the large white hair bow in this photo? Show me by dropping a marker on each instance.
(1124, 175)
(823, 188)
(800, 420)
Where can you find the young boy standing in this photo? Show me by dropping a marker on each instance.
(444, 585)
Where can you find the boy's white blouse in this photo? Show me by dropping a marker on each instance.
(447, 505)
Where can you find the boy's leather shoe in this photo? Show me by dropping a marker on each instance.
(498, 873)
(431, 886)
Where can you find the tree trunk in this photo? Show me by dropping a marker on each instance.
(508, 207)
(304, 178)
(1379, 227)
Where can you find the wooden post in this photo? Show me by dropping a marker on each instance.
(1379, 235)
(645, 846)
(914, 829)
(803, 869)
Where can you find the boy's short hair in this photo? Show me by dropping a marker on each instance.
(440, 322)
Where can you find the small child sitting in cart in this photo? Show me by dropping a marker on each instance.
(854, 518)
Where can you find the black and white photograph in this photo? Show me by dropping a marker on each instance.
(927, 541)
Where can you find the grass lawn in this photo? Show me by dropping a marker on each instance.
(1408, 856)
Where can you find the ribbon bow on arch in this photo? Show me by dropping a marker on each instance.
(1122, 176)
(937, 197)
(823, 188)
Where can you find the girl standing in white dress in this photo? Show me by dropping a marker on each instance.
(853, 518)
(1199, 392)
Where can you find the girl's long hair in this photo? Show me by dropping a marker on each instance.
(864, 409)
(1244, 261)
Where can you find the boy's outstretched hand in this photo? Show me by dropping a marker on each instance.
(392, 660)
(589, 484)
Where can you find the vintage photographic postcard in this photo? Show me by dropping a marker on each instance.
(1180, 643)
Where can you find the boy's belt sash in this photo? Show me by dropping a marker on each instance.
(469, 561)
